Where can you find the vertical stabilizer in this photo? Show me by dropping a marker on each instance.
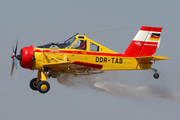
(145, 42)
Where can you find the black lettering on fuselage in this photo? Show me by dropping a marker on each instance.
(101, 59)
(97, 59)
(105, 60)
(112, 60)
(120, 60)
(117, 60)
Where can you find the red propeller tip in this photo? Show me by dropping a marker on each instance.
(12, 56)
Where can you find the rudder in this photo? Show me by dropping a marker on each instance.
(145, 42)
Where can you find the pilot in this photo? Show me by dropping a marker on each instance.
(82, 45)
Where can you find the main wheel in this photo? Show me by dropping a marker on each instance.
(33, 85)
(43, 86)
(156, 75)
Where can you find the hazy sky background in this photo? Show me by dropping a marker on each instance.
(113, 95)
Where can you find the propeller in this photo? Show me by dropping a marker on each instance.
(14, 61)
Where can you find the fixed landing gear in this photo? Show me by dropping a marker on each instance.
(42, 86)
(33, 85)
(156, 75)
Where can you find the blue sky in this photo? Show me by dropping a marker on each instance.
(112, 95)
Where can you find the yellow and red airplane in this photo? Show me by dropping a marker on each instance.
(81, 55)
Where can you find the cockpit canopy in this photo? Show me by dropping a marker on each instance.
(64, 45)
(78, 42)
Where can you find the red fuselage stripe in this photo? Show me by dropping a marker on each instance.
(80, 52)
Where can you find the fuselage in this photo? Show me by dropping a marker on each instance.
(108, 59)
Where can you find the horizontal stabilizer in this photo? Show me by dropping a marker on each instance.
(154, 58)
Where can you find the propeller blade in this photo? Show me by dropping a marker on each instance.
(16, 47)
(15, 62)
(14, 57)
(12, 68)
(13, 49)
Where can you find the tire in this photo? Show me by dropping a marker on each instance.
(43, 86)
(156, 75)
(33, 85)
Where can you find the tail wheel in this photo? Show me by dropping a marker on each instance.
(33, 85)
(156, 75)
(43, 86)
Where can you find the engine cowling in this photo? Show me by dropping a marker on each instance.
(27, 57)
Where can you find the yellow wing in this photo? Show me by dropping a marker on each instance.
(64, 65)
(72, 66)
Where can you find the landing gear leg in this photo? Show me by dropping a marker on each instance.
(156, 75)
(41, 85)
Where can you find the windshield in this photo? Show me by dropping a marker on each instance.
(69, 42)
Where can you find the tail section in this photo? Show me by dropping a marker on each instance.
(145, 42)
